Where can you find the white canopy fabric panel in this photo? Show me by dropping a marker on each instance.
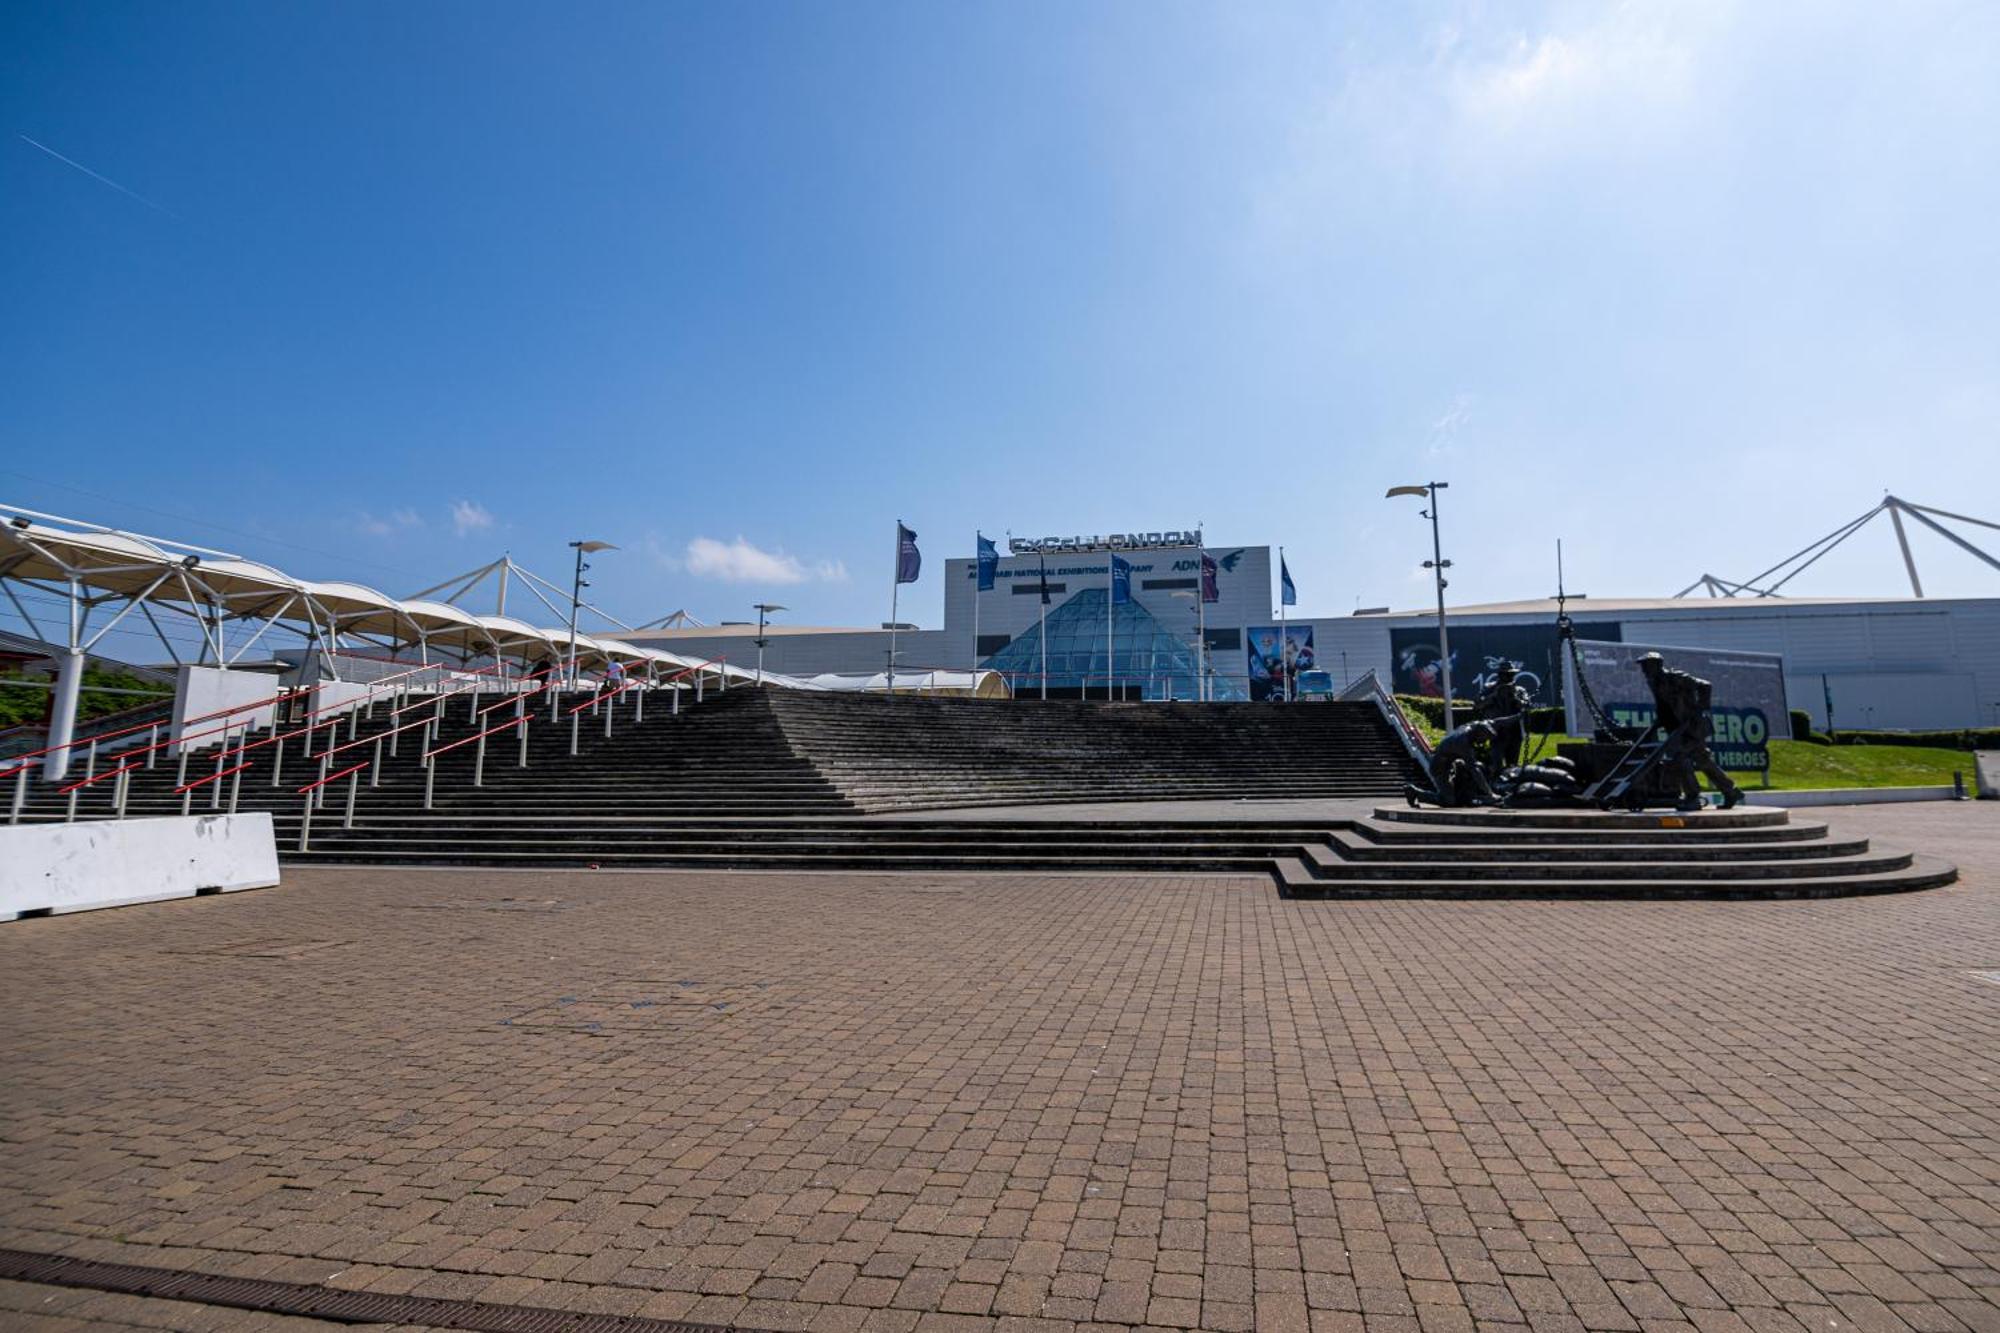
(978, 684)
(112, 565)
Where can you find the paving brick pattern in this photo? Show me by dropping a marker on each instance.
(935, 1103)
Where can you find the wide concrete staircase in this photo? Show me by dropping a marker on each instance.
(908, 753)
(1742, 853)
(759, 780)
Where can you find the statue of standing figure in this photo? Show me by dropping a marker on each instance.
(1680, 707)
(1505, 704)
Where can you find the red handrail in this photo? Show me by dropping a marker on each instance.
(599, 698)
(331, 777)
(198, 782)
(467, 740)
(186, 735)
(108, 773)
(374, 736)
(527, 694)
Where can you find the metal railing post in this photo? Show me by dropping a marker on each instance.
(90, 766)
(215, 787)
(306, 822)
(124, 786)
(610, 708)
(522, 762)
(69, 815)
(152, 745)
(572, 732)
(430, 779)
(639, 704)
(479, 762)
(676, 709)
(472, 708)
(353, 724)
(699, 682)
(375, 771)
(278, 761)
(353, 782)
(318, 792)
(20, 794)
(187, 801)
(235, 788)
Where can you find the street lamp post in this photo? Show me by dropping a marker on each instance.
(764, 609)
(576, 597)
(1437, 564)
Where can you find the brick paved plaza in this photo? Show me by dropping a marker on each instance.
(1023, 1102)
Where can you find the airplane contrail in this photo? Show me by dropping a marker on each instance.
(69, 161)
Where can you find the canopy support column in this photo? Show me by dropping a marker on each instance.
(69, 682)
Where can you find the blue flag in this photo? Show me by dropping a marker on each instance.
(1290, 595)
(1209, 592)
(909, 560)
(1121, 581)
(989, 561)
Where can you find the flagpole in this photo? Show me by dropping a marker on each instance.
(977, 536)
(1110, 614)
(1042, 626)
(1284, 643)
(1201, 622)
(895, 587)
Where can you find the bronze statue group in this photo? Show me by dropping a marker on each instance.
(1484, 761)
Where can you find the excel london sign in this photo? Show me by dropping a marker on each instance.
(1116, 541)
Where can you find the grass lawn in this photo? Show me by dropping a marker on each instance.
(1801, 766)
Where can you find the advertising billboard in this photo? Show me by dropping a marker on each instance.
(1747, 709)
(1477, 651)
(1267, 659)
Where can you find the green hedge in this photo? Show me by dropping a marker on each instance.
(1429, 710)
(21, 705)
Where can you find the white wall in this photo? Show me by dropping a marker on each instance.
(199, 691)
(1917, 664)
(109, 863)
(334, 697)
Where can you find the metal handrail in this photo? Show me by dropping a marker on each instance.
(107, 773)
(185, 735)
(1369, 685)
(508, 725)
(375, 736)
(333, 777)
(525, 694)
(202, 782)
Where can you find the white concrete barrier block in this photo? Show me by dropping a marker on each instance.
(48, 868)
(1809, 797)
(1987, 764)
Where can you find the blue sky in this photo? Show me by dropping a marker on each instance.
(379, 290)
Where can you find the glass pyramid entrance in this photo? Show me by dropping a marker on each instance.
(1149, 661)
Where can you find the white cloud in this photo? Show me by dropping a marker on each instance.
(741, 562)
(469, 516)
(398, 520)
(1615, 76)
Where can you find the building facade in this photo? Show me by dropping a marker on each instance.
(1890, 663)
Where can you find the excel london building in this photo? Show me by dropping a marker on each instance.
(1050, 622)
